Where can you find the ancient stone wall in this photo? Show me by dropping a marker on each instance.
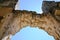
(17, 20)
(11, 21)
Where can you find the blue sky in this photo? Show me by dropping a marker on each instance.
(29, 33)
(31, 5)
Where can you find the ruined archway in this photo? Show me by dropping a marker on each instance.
(21, 19)
(14, 20)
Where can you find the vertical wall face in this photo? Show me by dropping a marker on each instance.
(6, 10)
(8, 3)
(51, 7)
(48, 6)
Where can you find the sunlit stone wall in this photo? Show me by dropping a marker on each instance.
(19, 19)
(15, 20)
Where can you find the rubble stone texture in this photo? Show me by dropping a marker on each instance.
(12, 21)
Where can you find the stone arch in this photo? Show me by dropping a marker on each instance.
(14, 20)
(20, 19)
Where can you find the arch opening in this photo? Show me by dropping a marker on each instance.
(31, 33)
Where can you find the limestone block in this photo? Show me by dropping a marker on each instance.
(57, 12)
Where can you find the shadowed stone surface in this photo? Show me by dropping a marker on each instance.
(9, 3)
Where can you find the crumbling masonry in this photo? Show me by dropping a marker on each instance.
(11, 21)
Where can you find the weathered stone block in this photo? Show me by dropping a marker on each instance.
(57, 12)
(5, 10)
(9, 3)
(48, 6)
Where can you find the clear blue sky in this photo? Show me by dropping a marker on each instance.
(31, 33)
(33, 5)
